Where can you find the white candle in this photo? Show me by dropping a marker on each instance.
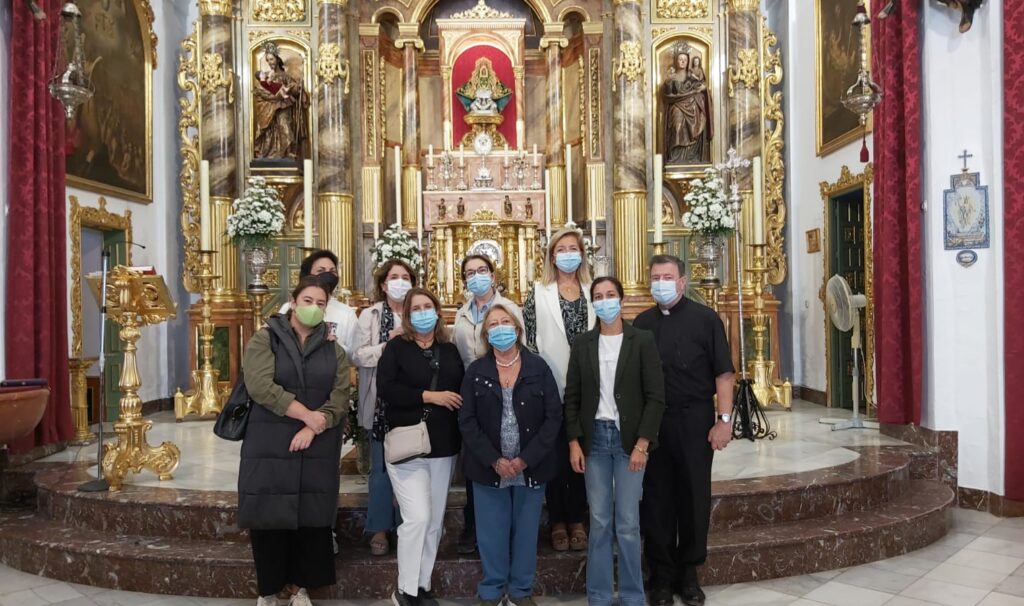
(547, 201)
(419, 209)
(520, 134)
(593, 223)
(522, 257)
(204, 205)
(307, 203)
(462, 155)
(757, 210)
(506, 154)
(398, 185)
(376, 222)
(430, 155)
(536, 158)
(568, 179)
(658, 163)
(447, 127)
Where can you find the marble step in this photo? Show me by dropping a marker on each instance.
(866, 483)
(223, 568)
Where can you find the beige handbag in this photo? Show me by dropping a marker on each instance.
(403, 444)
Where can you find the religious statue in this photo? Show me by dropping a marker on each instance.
(442, 210)
(460, 209)
(483, 103)
(688, 118)
(484, 93)
(507, 205)
(280, 108)
(967, 8)
(528, 209)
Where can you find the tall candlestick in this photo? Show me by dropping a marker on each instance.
(506, 155)
(658, 168)
(547, 202)
(204, 205)
(757, 210)
(398, 185)
(536, 158)
(447, 127)
(307, 203)
(520, 134)
(568, 179)
(376, 222)
(419, 209)
(462, 155)
(430, 155)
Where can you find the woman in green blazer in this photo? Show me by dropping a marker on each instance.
(614, 399)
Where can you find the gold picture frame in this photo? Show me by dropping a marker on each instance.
(837, 45)
(814, 240)
(111, 136)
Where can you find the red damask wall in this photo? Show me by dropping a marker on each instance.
(463, 71)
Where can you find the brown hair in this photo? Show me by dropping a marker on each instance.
(615, 282)
(487, 261)
(441, 334)
(381, 275)
(551, 272)
(307, 282)
(664, 259)
(500, 306)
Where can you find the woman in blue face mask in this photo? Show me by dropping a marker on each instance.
(510, 420)
(418, 380)
(481, 283)
(612, 419)
(557, 309)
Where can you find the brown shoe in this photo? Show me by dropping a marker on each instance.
(559, 538)
(379, 545)
(577, 537)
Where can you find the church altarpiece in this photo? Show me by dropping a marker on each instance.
(267, 83)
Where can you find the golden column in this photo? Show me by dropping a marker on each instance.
(334, 200)
(553, 42)
(410, 43)
(629, 176)
(217, 137)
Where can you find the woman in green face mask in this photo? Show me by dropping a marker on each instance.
(299, 380)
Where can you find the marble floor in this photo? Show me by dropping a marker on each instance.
(803, 444)
(979, 563)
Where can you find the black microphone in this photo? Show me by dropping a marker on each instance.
(137, 244)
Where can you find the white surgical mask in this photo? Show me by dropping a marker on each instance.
(398, 288)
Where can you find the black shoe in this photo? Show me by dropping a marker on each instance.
(467, 541)
(661, 596)
(426, 598)
(689, 588)
(403, 599)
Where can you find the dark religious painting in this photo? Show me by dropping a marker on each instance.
(280, 103)
(109, 142)
(837, 59)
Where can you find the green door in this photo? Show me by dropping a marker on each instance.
(116, 242)
(846, 258)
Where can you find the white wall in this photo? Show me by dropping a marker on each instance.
(964, 351)
(805, 172)
(163, 353)
(5, 86)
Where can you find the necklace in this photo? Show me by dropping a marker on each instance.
(507, 364)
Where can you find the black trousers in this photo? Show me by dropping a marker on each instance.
(566, 495)
(676, 508)
(303, 557)
(468, 512)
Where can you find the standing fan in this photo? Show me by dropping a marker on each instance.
(844, 311)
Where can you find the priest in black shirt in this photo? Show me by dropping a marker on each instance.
(697, 364)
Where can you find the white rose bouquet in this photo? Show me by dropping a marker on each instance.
(709, 213)
(257, 216)
(396, 243)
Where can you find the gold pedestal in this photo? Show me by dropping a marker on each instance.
(80, 400)
(134, 300)
(629, 209)
(337, 228)
(483, 123)
(204, 399)
(761, 368)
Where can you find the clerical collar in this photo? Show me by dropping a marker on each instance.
(675, 308)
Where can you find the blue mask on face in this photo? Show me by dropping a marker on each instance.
(423, 320)
(502, 337)
(479, 284)
(664, 291)
(568, 261)
(608, 309)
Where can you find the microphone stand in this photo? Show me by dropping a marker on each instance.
(100, 484)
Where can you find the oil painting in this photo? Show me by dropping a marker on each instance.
(837, 59)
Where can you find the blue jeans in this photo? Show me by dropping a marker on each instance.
(381, 513)
(507, 521)
(614, 494)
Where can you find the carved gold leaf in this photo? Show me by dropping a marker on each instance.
(214, 74)
(595, 103)
(745, 71)
(279, 11)
(188, 132)
(369, 61)
(630, 63)
(147, 11)
(775, 166)
(482, 11)
(330, 65)
(682, 9)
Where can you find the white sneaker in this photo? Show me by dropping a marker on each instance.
(270, 600)
(301, 598)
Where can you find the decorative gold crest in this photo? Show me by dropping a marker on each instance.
(482, 11)
(279, 11)
(630, 63)
(213, 75)
(330, 65)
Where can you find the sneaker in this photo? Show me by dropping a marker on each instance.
(467, 541)
(398, 598)
(525, 600)
(269, 600)
(301, 598)
(426, 598)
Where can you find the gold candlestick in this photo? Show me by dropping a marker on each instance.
(761, 368)
(205, 398)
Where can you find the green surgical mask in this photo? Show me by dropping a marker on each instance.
(310, 315)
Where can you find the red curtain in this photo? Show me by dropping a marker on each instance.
(36, 323)
(462, 71)
(1013, 244)
(899, 319)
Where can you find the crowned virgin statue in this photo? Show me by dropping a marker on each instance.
(688, 120)
(281, 109)
(484, 93)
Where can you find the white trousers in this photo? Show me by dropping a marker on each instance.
(421, 489)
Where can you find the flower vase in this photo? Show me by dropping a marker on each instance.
(258, 260)
(708, 249)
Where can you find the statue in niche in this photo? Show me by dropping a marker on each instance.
(460, 208)
(528, 209)
(442, 210)
(507, 207)
(280, 107)
(689, 125)
(484, 93)
(483, 103)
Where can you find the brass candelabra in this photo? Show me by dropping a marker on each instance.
(205, 398)
(768, 390)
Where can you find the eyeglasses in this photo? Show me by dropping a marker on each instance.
(328, 271)
(429, 355)
(483, 271)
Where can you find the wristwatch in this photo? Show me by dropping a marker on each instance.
(725, 417)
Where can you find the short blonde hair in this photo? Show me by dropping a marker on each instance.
(551, 272)
(501, 306)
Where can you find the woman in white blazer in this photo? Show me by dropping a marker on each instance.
(378, 324)
(556, 311)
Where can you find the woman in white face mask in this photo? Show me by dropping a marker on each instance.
(377, 325)
(556, 311)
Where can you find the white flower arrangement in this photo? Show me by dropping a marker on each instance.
(396, 243)
(257, 216)
(709, 213)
